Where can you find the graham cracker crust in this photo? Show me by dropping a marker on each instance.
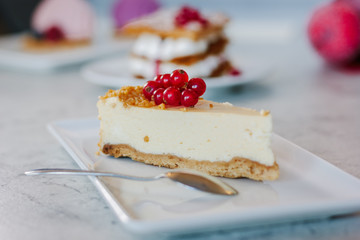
(236, 168)
(32, 44)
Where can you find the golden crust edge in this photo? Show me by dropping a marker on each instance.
(32, 44)
(236, 168)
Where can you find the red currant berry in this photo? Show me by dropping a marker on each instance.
(172, 96)
(158, 79)
(235, 72)
(165, 80)
(188, 14)
(197, 85)
(158, 96)
(54, 34)
(149, 89)
(181, 20)
(189, 98)
(179, 78)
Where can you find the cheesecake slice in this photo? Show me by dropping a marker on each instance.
(216, 138)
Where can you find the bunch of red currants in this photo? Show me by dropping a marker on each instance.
(175, 89)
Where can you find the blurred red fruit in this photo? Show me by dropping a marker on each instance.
(54, 34)
(334, 31)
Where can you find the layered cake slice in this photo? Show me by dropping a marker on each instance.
(60, 24)
(175, 128)
(178, 38)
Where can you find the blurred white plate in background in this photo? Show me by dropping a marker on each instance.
(114, 72)
(12, 54)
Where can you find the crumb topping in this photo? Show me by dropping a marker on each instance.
(264, 113)
(130, 96)
(162, 106)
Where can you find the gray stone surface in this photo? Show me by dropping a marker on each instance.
(312, 105)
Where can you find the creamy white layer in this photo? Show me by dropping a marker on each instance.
(154, 47)
(217, 133)
(147, 68)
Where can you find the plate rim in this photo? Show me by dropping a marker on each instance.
(144, 226)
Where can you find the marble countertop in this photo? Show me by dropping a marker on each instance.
(312, 105)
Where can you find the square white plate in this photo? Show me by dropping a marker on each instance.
(12, 55)
(308, 187)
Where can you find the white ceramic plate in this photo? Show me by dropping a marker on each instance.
(114, 73)
(12, 55)
(308, 187)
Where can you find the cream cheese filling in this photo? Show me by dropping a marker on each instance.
(217, 133)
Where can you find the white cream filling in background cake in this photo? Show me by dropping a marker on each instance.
(201, 133)
(147, 68)
(153, 47)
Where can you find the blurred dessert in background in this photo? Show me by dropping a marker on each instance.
(178, 38)
(59, 24)
(124, 11)
(334, 32)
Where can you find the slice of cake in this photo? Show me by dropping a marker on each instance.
(177, 129)
(60, 24)
(178, 38)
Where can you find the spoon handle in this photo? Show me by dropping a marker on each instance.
(63, 171)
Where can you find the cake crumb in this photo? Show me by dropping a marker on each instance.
(146, 139)
(208, 140)
(181, 142)
(130, 96)
(264, 112)
(97, 153)
(162, 106)
(184, 109)
(249, 131)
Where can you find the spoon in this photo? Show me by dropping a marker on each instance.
(196, 180)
